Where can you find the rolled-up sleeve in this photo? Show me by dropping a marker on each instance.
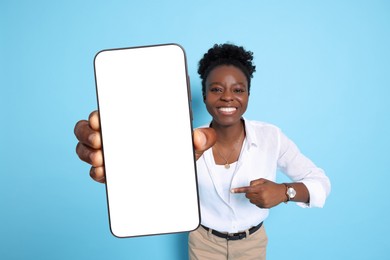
(299, 168)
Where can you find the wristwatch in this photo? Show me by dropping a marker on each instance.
(290, 192)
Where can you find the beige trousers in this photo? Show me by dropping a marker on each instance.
(203, 246)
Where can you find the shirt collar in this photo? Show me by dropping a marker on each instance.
(251, 136)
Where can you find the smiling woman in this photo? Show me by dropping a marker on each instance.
(237, 175)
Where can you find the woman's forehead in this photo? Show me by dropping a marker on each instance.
(224, 72)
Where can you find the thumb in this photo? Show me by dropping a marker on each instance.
(204, 138)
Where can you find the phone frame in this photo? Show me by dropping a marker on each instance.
(111, 179)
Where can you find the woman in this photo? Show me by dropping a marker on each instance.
(236, 177)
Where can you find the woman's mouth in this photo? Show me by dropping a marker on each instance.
(227, 110)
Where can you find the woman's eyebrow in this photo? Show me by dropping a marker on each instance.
(223, 85)
(216, 83)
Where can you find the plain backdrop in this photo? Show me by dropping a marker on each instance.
(323, 76)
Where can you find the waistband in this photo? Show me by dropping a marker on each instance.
(234, 236)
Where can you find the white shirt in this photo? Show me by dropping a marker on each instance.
(265, 151)
(223, 180)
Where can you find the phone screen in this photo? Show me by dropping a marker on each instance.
(144, 106)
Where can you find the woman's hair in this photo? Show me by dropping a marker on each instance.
(226, 54)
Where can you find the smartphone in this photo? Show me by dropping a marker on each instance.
(144, 104)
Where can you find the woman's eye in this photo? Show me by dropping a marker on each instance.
(215, 90)
(239, 90)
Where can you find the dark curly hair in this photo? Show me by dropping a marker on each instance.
(226, 54)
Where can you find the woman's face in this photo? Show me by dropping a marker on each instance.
(226, 94)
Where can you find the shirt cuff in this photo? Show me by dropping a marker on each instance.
(317, 192)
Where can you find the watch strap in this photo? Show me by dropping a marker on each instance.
(287, 197)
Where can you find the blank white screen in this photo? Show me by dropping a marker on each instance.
(147, 140)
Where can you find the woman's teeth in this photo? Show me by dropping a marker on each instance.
(227, 109)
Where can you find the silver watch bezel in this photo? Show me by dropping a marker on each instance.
(291, 192)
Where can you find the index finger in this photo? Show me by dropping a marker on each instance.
(94, 120)
(245, 189)
(87, 135)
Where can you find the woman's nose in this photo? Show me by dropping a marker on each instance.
(227, 95)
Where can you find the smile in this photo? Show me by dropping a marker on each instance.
(227, 109)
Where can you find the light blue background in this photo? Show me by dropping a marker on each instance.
(323, 76)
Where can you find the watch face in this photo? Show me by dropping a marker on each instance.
(291, 192)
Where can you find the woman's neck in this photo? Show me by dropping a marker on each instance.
(226, 135)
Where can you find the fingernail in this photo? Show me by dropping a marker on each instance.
(199, 138)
